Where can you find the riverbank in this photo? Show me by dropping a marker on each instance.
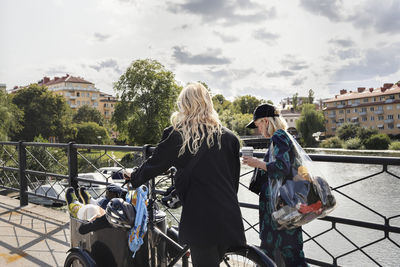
(342, 151)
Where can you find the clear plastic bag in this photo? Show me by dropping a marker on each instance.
(304, 197)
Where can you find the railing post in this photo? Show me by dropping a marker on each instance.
(72, 165)
(23, 185)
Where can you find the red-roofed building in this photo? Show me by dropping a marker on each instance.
(377, 108)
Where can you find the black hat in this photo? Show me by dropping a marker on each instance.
(262, 111)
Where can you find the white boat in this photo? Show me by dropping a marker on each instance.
(110, 172)
(55, 191)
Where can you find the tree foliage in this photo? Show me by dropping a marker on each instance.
(236, 122)
(87, 114)
(148, 93)
(91, 133)
(377, 141)
(347, 131)
(310, 96)
(10, 117)
(246, 104)
(295, 100)
(221, 103)
(45, 114)
(310, 121)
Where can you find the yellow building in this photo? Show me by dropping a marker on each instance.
(107, 104)
(377, 108)
(77, 91)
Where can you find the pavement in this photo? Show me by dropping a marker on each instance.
(32, 235)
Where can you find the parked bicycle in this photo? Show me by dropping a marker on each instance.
(109, 246)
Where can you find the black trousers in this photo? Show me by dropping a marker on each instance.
(209, 256)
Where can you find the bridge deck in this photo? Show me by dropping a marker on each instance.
(32, 235)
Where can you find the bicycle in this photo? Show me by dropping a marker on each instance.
(109, 246)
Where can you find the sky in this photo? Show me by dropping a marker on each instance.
(268, 49)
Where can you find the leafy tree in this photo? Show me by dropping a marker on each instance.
(310, 96)
(91, 133)
(353, 143)
(10, 117)
(246, 104)
(310, 121)
(45, 113)
(86, 114)
(347, 131)
(295, 100)
(377, 141)
(220, 103)
(333, 142)
(148, 95)
(365, 133)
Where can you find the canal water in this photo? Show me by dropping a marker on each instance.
(380, 196)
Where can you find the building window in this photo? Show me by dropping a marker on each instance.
(390, 126)
(105, 105)
(391, 97)
(365, 100)
(374, 99)
(364, 118)
(398, 116)
(389, 107)
(78, 94)
(380, 117)
(348, 111)
(79, 103)
(390, 117)
(348, 119)
(381, 98)
(87, 95)
(355, 110)
(381, 127)
(372, 118)
(398, 106)
(371, 108)
(364, 110)
(349, 102)
(380, 108)
(341, 111)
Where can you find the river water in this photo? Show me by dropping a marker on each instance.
(380, 193)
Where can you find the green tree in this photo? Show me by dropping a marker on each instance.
(86, 114)
(347, 131)
(377, 141)
(10, 117)
(365, 133)
(246, 104)
(91, 133)
(295, 100)
(45, 114)
(220, 103)
(148, 95)
(310, 121)
(310, 96)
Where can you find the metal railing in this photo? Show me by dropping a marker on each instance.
(27, 167)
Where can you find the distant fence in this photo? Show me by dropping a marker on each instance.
(25, 167)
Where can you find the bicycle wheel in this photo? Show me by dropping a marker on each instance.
(77, 259)
(247, 256)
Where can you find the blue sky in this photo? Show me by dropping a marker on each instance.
(269, 49)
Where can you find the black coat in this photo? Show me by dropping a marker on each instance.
(210, 213)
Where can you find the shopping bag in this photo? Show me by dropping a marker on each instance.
(304, 196)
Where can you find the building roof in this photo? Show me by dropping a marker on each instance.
(67, 78)
(362, 92)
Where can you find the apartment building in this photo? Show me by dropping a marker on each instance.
(77, 91)
(107, 104)
(377, 108)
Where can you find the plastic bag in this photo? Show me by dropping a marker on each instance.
(303, 198)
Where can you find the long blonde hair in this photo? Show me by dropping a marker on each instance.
(276, 123)
(196, 118)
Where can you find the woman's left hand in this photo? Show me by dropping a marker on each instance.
(255, 163)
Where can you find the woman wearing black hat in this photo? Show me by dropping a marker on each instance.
(281, 245)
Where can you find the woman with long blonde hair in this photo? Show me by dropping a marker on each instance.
(211, 219)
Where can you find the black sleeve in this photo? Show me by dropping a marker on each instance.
(163, 157)
(236, 169)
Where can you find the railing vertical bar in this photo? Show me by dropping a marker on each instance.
(23, 185)
(72, 165)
